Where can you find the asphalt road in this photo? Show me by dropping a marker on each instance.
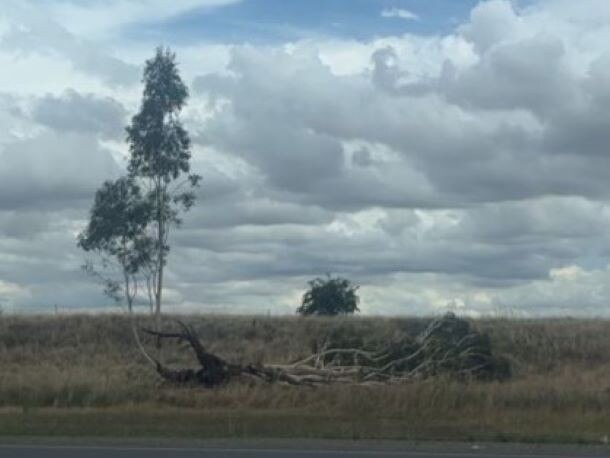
(147, 452)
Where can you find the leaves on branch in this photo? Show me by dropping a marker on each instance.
(329, 296)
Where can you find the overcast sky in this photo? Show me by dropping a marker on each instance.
(442, 154)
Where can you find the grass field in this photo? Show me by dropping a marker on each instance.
(82, 375)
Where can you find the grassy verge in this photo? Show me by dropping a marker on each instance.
(81, 376)
(150, 422)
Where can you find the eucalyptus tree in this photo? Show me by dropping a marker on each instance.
(132, 217)
(159, 160)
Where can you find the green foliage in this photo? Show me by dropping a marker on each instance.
(159, 148)
(117, 224)
(158, 143)
(329, 296)
(117, 233)
(131, 217)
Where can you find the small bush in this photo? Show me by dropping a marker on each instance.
(329, 296)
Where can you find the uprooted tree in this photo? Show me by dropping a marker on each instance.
(447, 347)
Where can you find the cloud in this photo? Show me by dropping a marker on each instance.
(507, 136)
(399, 13)
(84, 113)
(462, 170)
(436, 148)
(491, 22)
(30, 30)
(52, 171)
(100, 18)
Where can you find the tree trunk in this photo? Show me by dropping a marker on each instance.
(158, 299)
(128, 296)
(161, 264)
(123, 261)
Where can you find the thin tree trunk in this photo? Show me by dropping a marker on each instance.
(128, 295)
(128, 292)
(161, 264)
(158, 299)
(150, 292)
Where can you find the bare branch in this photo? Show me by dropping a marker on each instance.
(440, 349)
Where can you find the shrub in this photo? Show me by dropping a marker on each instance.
(329, 296)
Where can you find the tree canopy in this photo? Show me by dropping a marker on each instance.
(117, 231)
(329, 296)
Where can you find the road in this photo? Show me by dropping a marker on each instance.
(40, 451)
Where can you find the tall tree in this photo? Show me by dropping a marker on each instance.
(160, 156)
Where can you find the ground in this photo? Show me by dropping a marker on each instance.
(83, 376)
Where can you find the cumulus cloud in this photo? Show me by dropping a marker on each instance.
(84, 113)
(31, 31)
(513, 124)
(491, 22)
(463, 171)
(51, 170)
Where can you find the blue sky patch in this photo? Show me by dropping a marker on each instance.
(272, 21)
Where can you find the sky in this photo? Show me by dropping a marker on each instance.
(441, 154)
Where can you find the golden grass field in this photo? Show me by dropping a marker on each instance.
(82, 375)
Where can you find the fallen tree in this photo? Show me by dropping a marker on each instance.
(448, 346)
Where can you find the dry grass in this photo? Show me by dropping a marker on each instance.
(560, 389)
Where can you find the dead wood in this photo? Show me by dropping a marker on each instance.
(447, 347)
(214, 370)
